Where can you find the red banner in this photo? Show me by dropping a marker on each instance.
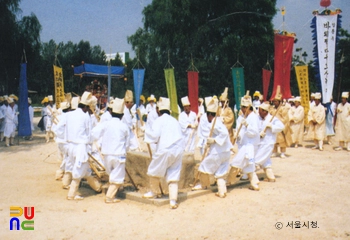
(266, 76)
(283, 62)
(193, 90)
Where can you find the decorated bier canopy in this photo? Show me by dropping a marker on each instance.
(93, 70)
(325, 27)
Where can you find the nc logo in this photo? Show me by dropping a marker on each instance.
(16, 212)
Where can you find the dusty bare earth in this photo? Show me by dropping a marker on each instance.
(311, 186)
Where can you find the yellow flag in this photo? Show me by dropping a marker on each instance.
(303, 83)
(59, 85)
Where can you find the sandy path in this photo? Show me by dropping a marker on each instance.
(311, 186)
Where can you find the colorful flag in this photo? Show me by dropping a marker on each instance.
(266, 76)
(238, 85)
(59, 85)
(24, 127)
(139, 76)
(192, 77)
(171, 89)
(303, 83)
(325, 48)
(283, 62)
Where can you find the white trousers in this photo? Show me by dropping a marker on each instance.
(115, 167)
(217, 164)
(263, 155)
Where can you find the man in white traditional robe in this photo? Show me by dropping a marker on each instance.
(217, 161)
(115, 143)
(188, 122)
(3, 108)
(296, 118)
(128, 120)
(11, 122)
(167, 160)
(61, 140)
(256, 102)
(51, 113)
(268, 129)
(317, 122)
(78, 129)
(342, 126)
(247, 140)
(151, 105)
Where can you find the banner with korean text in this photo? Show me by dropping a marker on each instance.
(326, 26)
(303, 83)
(238, 85)
(171, 89)
(59, 85)
(192, 79)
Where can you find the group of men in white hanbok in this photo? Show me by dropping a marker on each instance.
(8, 118)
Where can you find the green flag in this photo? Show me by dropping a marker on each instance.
(171, 89)
(238, 84)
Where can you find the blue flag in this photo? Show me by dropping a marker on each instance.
(139, 75)
(24, 128)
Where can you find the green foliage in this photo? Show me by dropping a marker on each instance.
(215, 33)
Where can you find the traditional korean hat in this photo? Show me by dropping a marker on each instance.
(278, 95)
(6, 97)
(68, 97)
(318, 95)
(93, 103)
(151, 98)
(45, 100)
(118, 106)
(163, 103)
(261, 97)
(312, 94)
(128, 96)
(74, 103)
(111, 99)
(223, 96)
(345, 95)
(64, 105)
(10, 100)
(50, 97)
(185, 101)
(142, 98)
(297, 99)
(29, 101)
(256, 94)
(246, 100)
(291, 99)
(2, 99)
(85, 99)
(212, 104)
(14, 97)
(265, 106)
(201, 100)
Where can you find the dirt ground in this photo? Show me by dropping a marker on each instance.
(311, 186)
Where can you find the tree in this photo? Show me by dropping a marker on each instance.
(215, 33)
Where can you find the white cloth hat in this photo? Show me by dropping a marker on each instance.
(291, 100)
(10, 100)
(64, 105)
(93, 103)
(85, 99)
(6, 97)
(265, 106)
(75, 102)
(118, 105)
(29, 101)
(128, 96)
(246, 101)
(261, 97)
(297, 99)
(163, 103)
(50, 97)
(312, 94)
(185, 101)
(345, 95)
(212, 104)
(318, 95)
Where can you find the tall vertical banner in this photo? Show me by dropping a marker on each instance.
(326, 28)
(171, 89)
(303, 83)
(59, 85)
(192, 79)
(238, 85)
(266, 77)
(24, 128)
(283, 61)
(139, 76)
